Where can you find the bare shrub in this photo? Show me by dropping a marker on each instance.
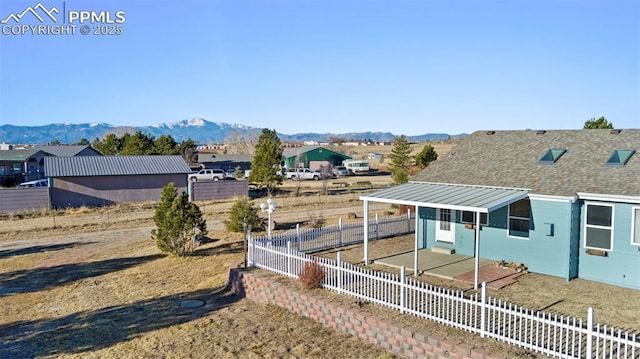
(312, 275)
(316, 220)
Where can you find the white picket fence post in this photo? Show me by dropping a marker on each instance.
(483, 309)
(339, 271)
(289, 257)
(298, 236)
(589, 353)
(403, 289)
(250, 247)
(340, 228)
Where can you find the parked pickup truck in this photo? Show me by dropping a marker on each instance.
(303, 174)
(207, 175)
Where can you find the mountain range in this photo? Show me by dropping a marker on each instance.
(197, 129)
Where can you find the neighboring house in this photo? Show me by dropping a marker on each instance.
(68, 151)
(312, 157)
(564, 203)
(21, 165)
(374, 156)
(105, 180)
(225, 161)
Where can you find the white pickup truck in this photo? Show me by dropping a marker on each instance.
(303, 174)
(207, 175)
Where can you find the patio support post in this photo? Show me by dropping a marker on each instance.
(477, 254)
(415, 235)
(365, 259)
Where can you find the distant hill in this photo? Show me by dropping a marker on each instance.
(197, 129)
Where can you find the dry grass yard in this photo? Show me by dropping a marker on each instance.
(91, 283)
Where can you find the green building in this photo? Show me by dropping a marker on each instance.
(312, 157)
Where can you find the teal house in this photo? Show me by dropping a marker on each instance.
(564, 203)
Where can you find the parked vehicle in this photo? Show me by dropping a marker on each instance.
(341, 171)
(357, 166)
(36, 183)
(207, 175)
(303, 174)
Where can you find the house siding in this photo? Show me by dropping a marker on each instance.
(621, 266)
(541, 252)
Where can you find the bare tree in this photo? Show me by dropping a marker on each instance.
(241, 142)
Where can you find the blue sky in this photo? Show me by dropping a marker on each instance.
(405, 67)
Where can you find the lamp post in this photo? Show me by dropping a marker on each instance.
(269, 207)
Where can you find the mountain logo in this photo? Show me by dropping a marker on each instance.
(33, 10)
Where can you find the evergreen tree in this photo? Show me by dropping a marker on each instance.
(400, 159)
(188, 151)
(179, 223)
(599, 123)
(243, 211)
(267, 159)
(110, 146)
(138, 144)
(166, 145)
(426, 156)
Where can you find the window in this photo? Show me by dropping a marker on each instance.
(552, 156)
(635, 227)
(519, 217)
(470, 217)
(598, 227)
(620, 157)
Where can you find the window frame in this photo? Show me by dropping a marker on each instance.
(473, 221)
(585, 225)
(509, 217)
(635, 225)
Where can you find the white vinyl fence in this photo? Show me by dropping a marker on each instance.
(341, 234)
(550, 334)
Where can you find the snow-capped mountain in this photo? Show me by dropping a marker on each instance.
(197, 129)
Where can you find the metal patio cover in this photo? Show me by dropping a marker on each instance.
(449, 196)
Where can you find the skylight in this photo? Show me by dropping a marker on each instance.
(620, 157)
(552, 156)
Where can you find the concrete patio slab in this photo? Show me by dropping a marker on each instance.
(446, 266)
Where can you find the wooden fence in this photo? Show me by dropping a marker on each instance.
(550, 334)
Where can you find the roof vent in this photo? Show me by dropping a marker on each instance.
(490, 132)
(615, 131)
(541, 132)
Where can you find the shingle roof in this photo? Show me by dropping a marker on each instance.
(17, 155)
(84, 166)
(510, 159)
(62, 151)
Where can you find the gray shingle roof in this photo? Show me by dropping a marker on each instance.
(62, 151)
(85, 166)
(510, 159)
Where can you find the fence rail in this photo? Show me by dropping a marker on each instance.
(341, 234)
(550, 334)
